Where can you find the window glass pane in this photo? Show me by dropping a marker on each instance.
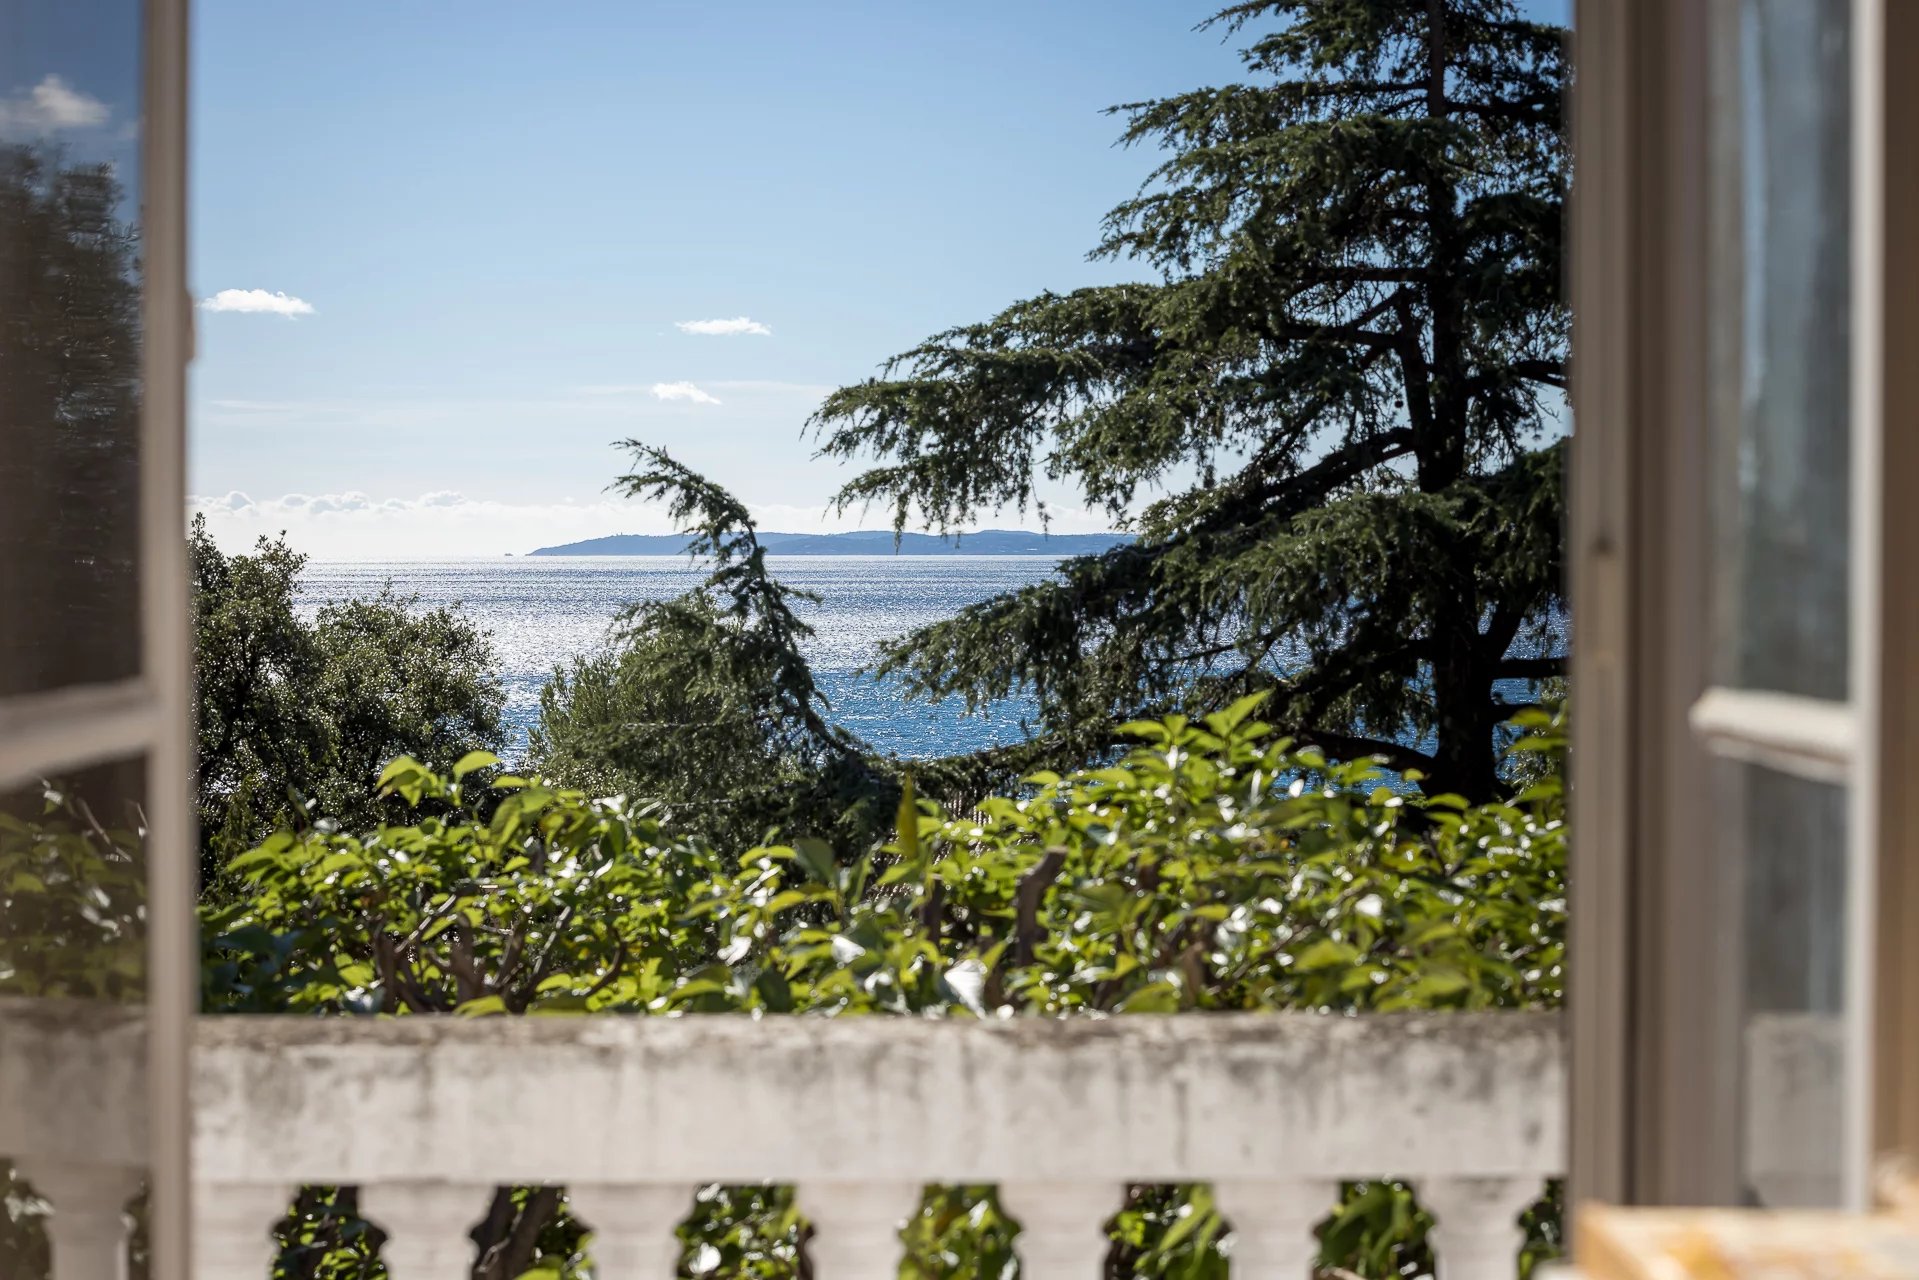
(1782, 348)
(69, 342)
(1786, 838)
(72, 866)
(72, 886)
(72, 975)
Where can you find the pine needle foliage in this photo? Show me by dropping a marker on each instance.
(1331, 413)
(706, 707)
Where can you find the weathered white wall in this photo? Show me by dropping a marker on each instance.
(731, 1098)
(1794, 1109)
(72, 1081)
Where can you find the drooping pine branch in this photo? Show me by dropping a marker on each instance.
(765, 634)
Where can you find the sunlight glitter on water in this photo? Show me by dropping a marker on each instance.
(546, 610)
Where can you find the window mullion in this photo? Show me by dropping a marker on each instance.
(49, 733)
(1806, 737)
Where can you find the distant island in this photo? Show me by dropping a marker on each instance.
(866, 542)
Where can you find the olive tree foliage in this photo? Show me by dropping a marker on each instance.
(296, 713)
(1216, 866)
(1335, 396)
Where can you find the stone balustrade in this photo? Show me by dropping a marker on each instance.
(426, 1116)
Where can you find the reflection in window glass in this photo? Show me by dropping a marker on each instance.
(69, 342)
(1783, 366)
(72, 872)
(72, 970)
(1786, 838)
(73, 887)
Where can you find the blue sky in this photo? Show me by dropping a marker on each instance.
(500, 214)
(451, 250)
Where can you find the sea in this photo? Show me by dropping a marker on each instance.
(543, 611)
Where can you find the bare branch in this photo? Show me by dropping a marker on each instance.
(1032, 887)
(1346, 746)
(1530, 668)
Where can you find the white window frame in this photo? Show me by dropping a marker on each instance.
(1654, 1049)
(1831, 741)
(150, 715)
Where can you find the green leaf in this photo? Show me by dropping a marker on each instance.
(474, 760)
(399, 767)
(1435, 984)
(775, 992)
(907, 821)
(816, 859)
(1225, 721)
(1156, 997)
(1324, 953)
(785, 899)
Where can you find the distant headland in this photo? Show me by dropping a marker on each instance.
(866, 542)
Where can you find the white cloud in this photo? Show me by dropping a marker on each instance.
(682, 391)
(724, 328)
(352, 500)
(280, 304)
(352, 526)
(52, 104)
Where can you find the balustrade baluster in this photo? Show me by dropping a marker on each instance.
(1062, 1227)
(428, 1226)
(89, 1226)
(1476, 1233)
(633, 1227)
(233, 1228)
(856, 1227)
(1273, 1222)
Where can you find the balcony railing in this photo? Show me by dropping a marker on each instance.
(428, 1115)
